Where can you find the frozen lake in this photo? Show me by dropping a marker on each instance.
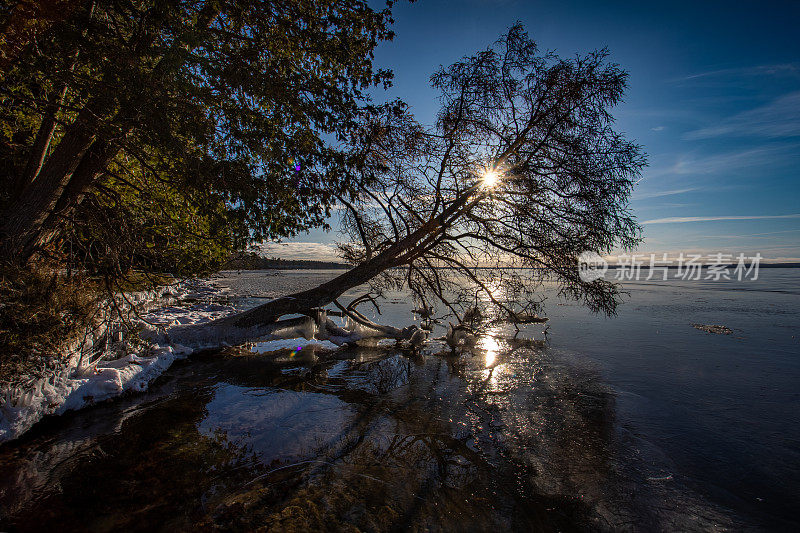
(634, 422)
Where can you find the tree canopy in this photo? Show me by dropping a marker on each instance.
(164, 134)
(522, 173)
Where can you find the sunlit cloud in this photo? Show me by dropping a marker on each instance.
(307, 251)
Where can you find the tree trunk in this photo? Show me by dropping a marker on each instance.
(42, 142)
(23, 224)
(92, 165)
(33, 218)
(24, 219)
(48, 126)
(263, 321)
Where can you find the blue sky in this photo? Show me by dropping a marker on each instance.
(714, 98)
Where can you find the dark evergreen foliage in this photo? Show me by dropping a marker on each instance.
(171, 133)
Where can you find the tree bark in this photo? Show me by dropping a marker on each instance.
(48, 125)
(35, 215)
(42, 142)
(24, 220)
(263, 321)
(92, 165)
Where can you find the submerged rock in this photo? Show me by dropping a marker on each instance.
(713, 328)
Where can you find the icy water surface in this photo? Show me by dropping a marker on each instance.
(640, 422)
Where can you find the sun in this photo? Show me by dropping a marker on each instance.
(489, 179)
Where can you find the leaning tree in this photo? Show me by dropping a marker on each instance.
(118, 116)
(521, 173)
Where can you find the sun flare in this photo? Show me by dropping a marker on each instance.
(489, 179)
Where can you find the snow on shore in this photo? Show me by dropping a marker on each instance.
(87, 379)
(79, 388)
(83, 382)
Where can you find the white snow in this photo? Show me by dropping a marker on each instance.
(83, 383)
(62, 393)
(292, 344)
(174, 331)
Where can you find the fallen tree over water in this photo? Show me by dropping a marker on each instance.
(522, 173)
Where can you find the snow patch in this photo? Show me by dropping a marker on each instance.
(82, 382)
(292, 344)
(172, 331)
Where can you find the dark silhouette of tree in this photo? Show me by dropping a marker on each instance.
(522, 169)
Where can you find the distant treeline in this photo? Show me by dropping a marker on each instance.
(253, 261)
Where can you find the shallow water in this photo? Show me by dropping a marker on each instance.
(639, 422)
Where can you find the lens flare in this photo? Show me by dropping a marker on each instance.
(490, 178)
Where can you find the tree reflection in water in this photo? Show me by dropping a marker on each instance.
(501, 436)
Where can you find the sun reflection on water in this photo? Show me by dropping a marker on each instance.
(495, 291)
(491, 346)
(493, 369)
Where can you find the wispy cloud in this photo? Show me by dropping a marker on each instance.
(673, 254)
(779, 69)
(689, 164)
(658, 128)
(675, 220)
(777, 119)
(314, 251)
(675, 205)
(724, 162)
(768, 235)
(659, 194)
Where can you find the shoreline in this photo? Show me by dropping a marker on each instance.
(83, 382)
